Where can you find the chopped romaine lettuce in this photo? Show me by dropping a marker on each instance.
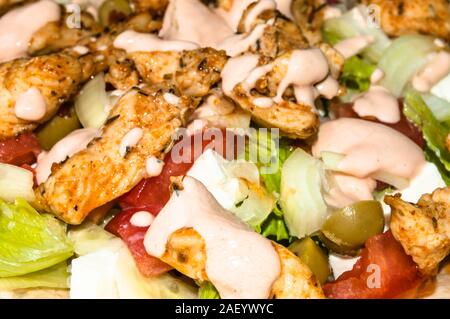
(30, 241)
(89, 237)
(235, 185)
(56, 277)
(434, 132)
(439, 107)
(356, 74)
(406, 55)
(208, 291)
(431, 157)
(275, 228)
(301, 197)
(355, 23)
(271, 152)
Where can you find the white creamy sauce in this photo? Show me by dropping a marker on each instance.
(348, 190)
(142, 219)
(18, 26)
(132, 41)
(234, 15)
(240, 263)
(240, 43)
(378, 103)
(153, 166)
(369, 149)
(305, 68)
(263, 102)
(131, 139)
(214, 105)
(330, 12)
(255, 75)
(377, 76)
(440, 43)
(237, 70)
(31, 105)
(256, 10)
(305, 95)
(80, 49)
(436, 69)
(328, 88)
(191, 20)
(353, 46)
(67, 147)
(196, 126)
(171, 99)
(284, 6)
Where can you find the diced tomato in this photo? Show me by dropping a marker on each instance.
(404, 126)
(153, 193)
(20, 150)
(383, 271)
(156, 190)
(133, 236)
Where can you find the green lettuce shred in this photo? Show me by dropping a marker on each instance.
(356, 74)
(208, 291)
(434, 132)
(56, 277)
(29, 241)
(271, 151)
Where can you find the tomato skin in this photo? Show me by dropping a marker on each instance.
(134, 236)
(404, 126)
(156, 190)
(20, 150)
(152, 194)
(398, 273)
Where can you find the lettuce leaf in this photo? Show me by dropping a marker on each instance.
(208, 291)
(56, 277)
(354, 23)
(434, 132)
(275, 228)
(29, 241)
(356, 74)
(271, 152)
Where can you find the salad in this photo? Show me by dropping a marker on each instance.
(224, 149)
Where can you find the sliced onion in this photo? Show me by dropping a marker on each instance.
(91, 103)
(401, 61)
(15, 182)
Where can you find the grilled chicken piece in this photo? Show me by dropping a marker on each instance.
(154, 6)
(5, 5)
(99, 174)
(186, 252)
(309, 16)
(400, 17)
(191, 73)
(55, 36)
(280, 38)
(56, 76)
(423, 229)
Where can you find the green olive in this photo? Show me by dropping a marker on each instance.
(57, 128)
(313, 256)
(112, 11)
(350, 227)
